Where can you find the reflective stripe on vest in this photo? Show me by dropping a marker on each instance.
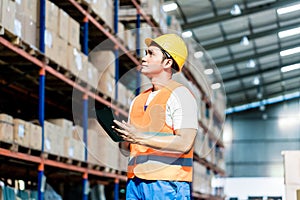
(148, 163)
(187, 162)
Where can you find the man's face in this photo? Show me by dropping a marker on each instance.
(152, 62)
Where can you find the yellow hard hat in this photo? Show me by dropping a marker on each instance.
(172, 44)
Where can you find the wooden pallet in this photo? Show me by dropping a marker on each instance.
(14, 147)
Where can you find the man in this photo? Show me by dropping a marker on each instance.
(162, 126)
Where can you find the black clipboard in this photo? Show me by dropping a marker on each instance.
(105, 118)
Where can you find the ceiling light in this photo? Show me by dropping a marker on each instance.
(235, 10)
(290, 51)
(244, 41)
(169, 7)
(256, 81)
(198, 54)
(288, 9)
(259, 95)
(288, 33)
(290, 67)
(208, 71)
(251, 63)
(215, 86)
(187, 34)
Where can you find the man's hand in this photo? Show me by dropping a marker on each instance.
(127, 131)
(182, 141)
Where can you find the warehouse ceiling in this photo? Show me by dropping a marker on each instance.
(242, 38)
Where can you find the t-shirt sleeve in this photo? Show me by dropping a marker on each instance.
(183, 109)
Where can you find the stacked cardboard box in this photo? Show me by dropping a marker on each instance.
(201, 179)
(7, 14)
(151, 8)
(74, 146)
(21, 132)
(53, 139)
(6, 128)
(102, 150)
(104, 61)
(104, 9)
(35, 136)
(202, 148)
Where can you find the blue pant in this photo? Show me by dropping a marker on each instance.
(140, 189)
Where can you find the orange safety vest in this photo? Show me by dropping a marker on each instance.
(152, 164)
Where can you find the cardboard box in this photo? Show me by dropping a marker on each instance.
(63, 23)
(31, 9)
(60, 47)
(49, 40)
(74, 60)
(92, 75)
(73, 149)
(122, 94)
(53, 142)
(35, 136)
(77, 133)
(104, 61)
(21, 132)
(66, 126)
(102, 150)
(7, 14)
(104, 9)
(6, 128)
(74, 33)
(30, 32)
(51, 17)
(106, 84)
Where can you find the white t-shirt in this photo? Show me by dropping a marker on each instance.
(181, 108)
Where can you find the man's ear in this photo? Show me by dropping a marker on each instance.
(168, 63)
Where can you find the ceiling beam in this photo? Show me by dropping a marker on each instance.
(275, 94)
(228, 16)
(246, 58)
(263, 85)
(250, 37)
(233, 78)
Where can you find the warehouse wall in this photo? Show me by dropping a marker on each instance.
(254, 139)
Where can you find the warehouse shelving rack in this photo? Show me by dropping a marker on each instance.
(47, 68)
